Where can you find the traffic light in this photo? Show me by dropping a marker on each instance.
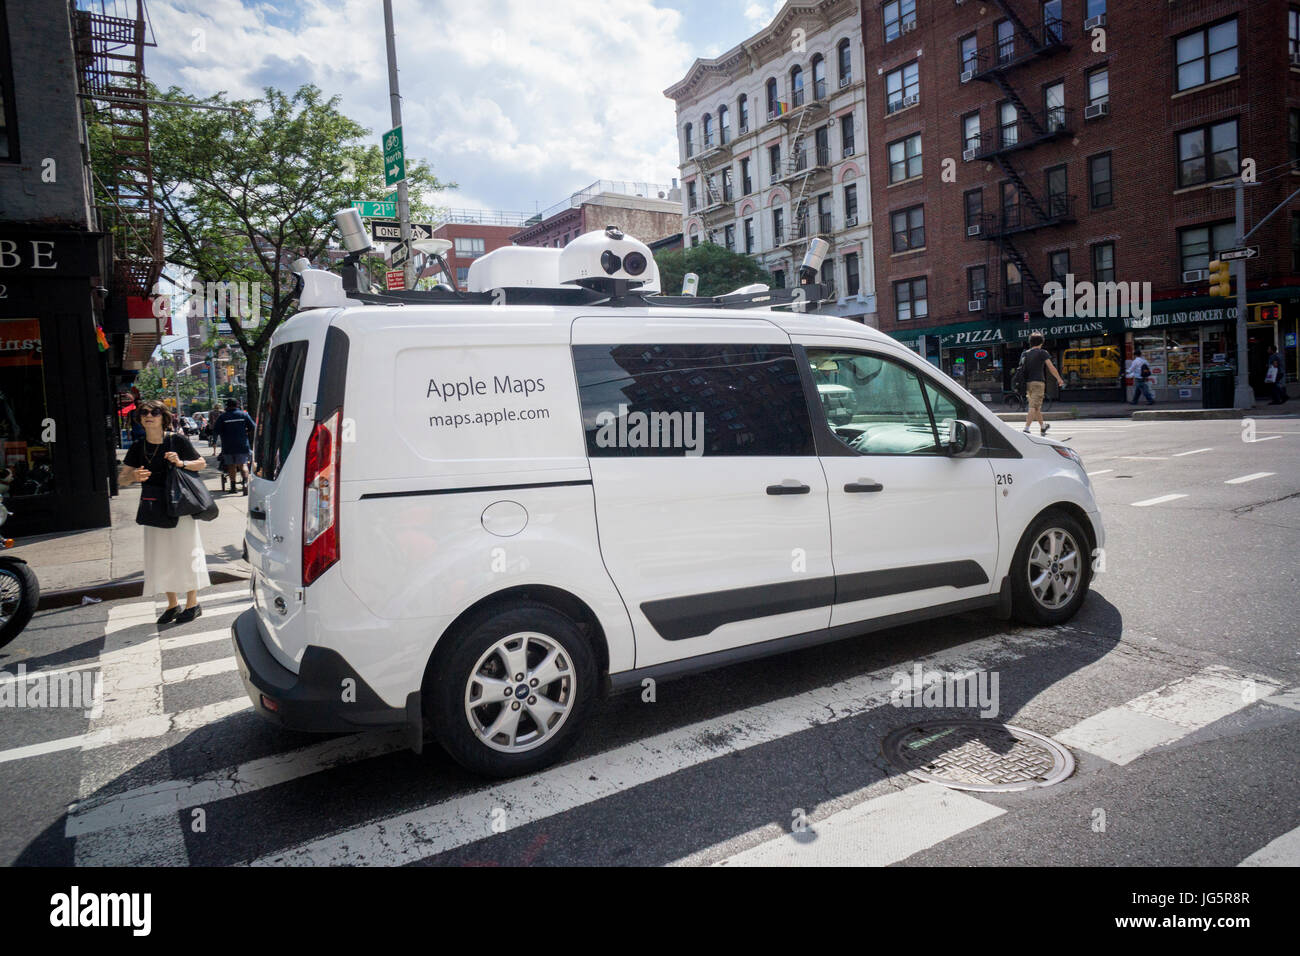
(1220, 279)
(1266, 312)
(164, 383)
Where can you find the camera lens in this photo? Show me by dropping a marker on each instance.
(610, 262)
(634, 263)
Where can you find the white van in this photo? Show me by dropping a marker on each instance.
(476, 518)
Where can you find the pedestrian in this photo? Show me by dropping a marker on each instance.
(1140, 372)
(174, 560)
(235, 429)
(1036, 360)
(1275, 376)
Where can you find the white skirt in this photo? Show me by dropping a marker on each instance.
(173, 559)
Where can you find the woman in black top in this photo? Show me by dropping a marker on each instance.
(173, 557)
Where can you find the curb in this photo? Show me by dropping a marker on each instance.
(114, 590)
(1191, 414)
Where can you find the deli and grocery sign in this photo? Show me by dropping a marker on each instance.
(1226, 313)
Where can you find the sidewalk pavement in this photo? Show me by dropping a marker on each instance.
(108, 563)
(1160, 411)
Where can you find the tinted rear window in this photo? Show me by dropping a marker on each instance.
(277, 420)
(676, 400)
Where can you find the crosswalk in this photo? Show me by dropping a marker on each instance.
(160, 690)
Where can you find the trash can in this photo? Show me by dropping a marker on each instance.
(1218, 382)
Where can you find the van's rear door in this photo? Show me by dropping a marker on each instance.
(275, 495)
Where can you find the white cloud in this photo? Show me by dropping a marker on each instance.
(759, 15)
(515, 100)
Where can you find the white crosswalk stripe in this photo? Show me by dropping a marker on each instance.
(1284, 851)
(1165, 715)
(1148, 502)
(1245, 478)
(176, 675)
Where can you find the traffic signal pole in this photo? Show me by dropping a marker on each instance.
(395, 99)
(1244, 395)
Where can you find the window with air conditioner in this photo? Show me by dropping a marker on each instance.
(850, 205)
(844, 57)
(973, 203)
(905, 158)
(968, 57)
(976, 287)
(1198, 245)
(899, 17)
(1094, 15)
(970, 135)
(846, 133)
(902, 87)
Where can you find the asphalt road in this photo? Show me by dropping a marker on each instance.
(1175, 690)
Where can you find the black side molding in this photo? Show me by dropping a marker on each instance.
(464, 491)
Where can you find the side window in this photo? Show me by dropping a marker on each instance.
(876, 406)
(944, 407)
(690, 400)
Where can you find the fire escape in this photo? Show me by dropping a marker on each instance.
(1020, 210)
(110, 67)
(806, 167)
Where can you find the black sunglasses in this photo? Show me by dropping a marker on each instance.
(146, 411)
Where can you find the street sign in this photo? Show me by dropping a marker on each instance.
(390, 230)
(396, 279)
(1245, 252)
(392, 198)
(394, 157)
(400, 253)
(376, 210)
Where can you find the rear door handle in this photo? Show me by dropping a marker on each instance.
(791, 486)
(863, 484)
(256, 515)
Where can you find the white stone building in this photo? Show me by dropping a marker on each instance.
(772, 137)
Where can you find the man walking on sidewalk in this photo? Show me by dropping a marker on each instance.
(1036, 360)
(1140, 372)
(235, 428)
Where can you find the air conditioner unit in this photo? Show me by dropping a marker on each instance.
(967, 75)
(1196, 275)
(968, 155)
(1096, 110)
(972, 230)
(974, 305)
(850, 222)
(1093, 22)
(908, 27)
(845, 81)
(849, 152)
(910, 100)
(771, 114)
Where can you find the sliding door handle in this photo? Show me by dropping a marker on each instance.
(791, 486)
(863, 484)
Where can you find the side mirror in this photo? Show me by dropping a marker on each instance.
(964, 438)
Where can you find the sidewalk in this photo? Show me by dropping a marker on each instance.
(108, 563)
(1065, 411)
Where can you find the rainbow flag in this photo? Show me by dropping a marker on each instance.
(101, 339)
(782, 107)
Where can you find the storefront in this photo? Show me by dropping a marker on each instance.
(55, 411)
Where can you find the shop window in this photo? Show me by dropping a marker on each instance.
(911, 300)
(1207, 153)
(1200, 244)
(1100, 187)
(1206, 55)
(28, 457)
(1103, 262)
(1094, 362)
(908, 227)
(8, 117)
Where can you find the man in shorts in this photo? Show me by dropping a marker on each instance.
(235, 430)
(1037, 361)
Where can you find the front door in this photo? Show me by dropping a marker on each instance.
(710, 502)
(911, 527)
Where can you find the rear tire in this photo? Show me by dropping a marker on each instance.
(512, 692)
(1051, 570)
(19, 594)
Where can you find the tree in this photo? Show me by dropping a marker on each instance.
(150, 379)
(245, 193)
(720, 270)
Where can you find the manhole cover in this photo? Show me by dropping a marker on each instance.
(978, 755)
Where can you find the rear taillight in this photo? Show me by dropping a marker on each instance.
(320, 518)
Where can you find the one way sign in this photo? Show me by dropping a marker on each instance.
(1244, 252)
(390, 230)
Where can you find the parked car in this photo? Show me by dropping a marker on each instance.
(189, 426)
(479, 518)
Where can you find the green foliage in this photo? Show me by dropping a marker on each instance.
(149, 382)
(245, 193)
(719, 269)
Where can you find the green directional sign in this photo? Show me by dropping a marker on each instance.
(376, 210)
(394, 157)
(391, 197)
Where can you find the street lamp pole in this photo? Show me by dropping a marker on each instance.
(395, 99)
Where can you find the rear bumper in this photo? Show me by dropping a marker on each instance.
(318, 698)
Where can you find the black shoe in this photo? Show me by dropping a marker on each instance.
(169, 615)
(189, 614)
(1044, 431)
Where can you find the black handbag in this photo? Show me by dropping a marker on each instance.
(188, 495)
(152, 510)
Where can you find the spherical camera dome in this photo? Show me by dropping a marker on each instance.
(595, 259)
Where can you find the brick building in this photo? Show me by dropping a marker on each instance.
(645, 210)
(1081, 139)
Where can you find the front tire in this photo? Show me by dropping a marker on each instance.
(512, 693)
(1051, 570)
(19, 594)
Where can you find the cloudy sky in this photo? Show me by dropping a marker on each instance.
(520, 102)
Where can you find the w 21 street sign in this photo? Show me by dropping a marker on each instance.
(394, 157)
(376, 210)
(1245, 252)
